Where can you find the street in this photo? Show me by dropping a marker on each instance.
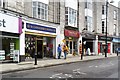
(104, 68)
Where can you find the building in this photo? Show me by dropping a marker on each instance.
(41, 29)
(43, 24)
(94, 31)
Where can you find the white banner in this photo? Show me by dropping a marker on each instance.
(9, 23)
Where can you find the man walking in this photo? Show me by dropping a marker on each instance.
(59, 50)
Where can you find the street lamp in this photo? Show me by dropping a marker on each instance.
(106, 25)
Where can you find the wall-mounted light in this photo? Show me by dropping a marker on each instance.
(84, 29)
(93, 31)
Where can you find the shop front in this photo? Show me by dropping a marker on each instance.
(41, 40)
(10, 37)
(102, 44)
(71, 38)
(88, 43)
(116, 43)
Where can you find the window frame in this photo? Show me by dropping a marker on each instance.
(115, 14)
(89, 23)
(39, 7)
(103, 27)
(103, 9)
(71, 16)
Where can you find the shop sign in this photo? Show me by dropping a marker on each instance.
(40, 28)
(117, 40)
(8, 23)
(71, 33)
(104, 38)
(2, 23)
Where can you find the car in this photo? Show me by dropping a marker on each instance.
(118, 50)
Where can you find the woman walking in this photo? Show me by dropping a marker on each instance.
(65, 50)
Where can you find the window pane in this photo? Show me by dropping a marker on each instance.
(34, 4)
(38, 11)
(39, 4)
(85, 4)
(34, 12)
(45, 6)
(103, 23)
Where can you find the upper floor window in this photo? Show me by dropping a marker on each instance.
(40, 10)
(103, 9)
(0, 3)
(114, 30)
(103, 27)
(115, 14)
(88, 5)
(71, 16)
(88, 20)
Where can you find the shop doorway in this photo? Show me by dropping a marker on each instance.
(72, 45)
(40, 48)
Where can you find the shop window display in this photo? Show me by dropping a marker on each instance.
(42, 45)
(9, 45)
(49, 47)
(29, 47)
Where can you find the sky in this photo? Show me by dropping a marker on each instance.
(115, 2)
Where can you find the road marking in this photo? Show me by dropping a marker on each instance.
(51, 77)
(61, 75)
(90, 66)
(78, 71)
(69, 75)
(96, 66)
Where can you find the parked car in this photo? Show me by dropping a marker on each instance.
(118, 50)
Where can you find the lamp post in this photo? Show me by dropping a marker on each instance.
(35, 51)
(106, 26)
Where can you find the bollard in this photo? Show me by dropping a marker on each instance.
(35, 59)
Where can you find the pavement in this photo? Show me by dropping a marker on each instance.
(27, 65)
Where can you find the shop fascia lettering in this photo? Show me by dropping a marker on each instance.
(2, 23)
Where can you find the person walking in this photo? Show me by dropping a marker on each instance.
(65, 50)
(59, 50)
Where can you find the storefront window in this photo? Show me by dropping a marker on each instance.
(42, 45)
(29, 46)
(49, 46)
(9, 45)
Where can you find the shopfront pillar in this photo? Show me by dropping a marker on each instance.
(22, 46)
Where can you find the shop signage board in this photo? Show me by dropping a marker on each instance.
(16, 56)
(104, 38)
(2, 55)
(71, 33)
(117, 40)
(40, 28)
(9, 23)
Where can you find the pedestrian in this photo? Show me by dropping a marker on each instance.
(88, 51)
(59, 50)
(65, 50)
(104, 50)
